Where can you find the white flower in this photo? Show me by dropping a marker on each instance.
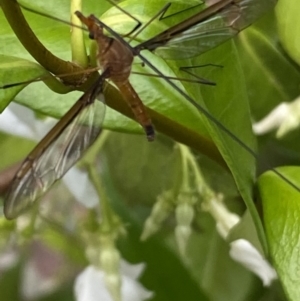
(20, 121)
(245, 253)
(272, 121)
(90, 285)
(225, 219)
(241, 250)
(283, 118)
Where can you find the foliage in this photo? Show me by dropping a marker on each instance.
(253, 75)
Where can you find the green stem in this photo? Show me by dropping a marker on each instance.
(204, 190)
(89, 162)
(192, 161)
(32, 44)
(185, 185)
(79, 55)
(107, 222)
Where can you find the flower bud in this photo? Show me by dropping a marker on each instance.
(160, 212)
(110, 263)
(184, 216)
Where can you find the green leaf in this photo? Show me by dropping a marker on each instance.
(271, 77)
(14, 70)
(281, 212)
(289, 27)
(140, 187)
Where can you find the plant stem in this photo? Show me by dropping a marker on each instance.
(79, 55)
(32, 44)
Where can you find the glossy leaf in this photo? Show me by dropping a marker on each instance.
(14, 70)
(289, 27)
(278, 77)
(281, 211)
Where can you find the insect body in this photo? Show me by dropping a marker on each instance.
(78, 129)
(117, 59)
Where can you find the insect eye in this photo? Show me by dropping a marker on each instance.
(91, 36)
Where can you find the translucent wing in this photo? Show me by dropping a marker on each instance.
(57, 152)
(210, 32)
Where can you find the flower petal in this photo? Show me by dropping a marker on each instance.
(246, 254)
(132, 270)
(273, 120)
(90, 286)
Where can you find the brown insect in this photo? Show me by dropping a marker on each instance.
(65, 144)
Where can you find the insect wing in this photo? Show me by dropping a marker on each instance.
(215, 30)
(46, 164)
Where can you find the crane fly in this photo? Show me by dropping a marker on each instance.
(65, 144)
